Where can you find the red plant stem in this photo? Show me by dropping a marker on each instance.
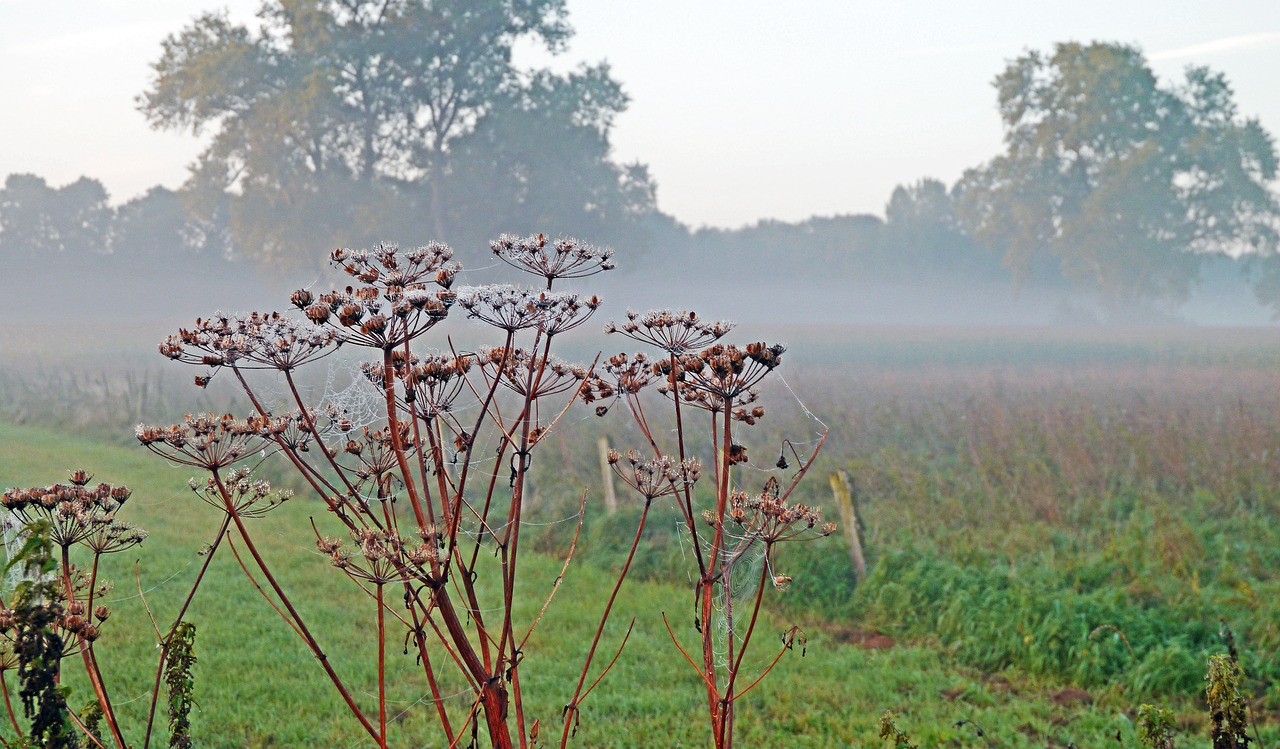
(382, 670)
(91, 669)
(417, 436)
(726, 706)
(254, 582)
(420, 640)
(671, 633)
(595, 641)
(88, 614)
(786, 645)
(164, 644)
(8, 706)
(397, 445)
(688, 488)
(555, 587)
(709, 580)
(492, 695)
(735, 666)
(302, 627)
(473, 600)
(447, 643)
(302, 467)
(517, 699)
(466, 465)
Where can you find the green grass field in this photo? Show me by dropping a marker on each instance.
(258, 687)
(1058, 525)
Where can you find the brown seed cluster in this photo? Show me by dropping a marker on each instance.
(382, 556)
(562, 258)
(657, 477)
(77, 513)
(248, 497)
(376, 461)
(73, 619)
(210, 441)
(256, 341)
(393, 271)
(430, 384)
(528, 374)
(675, 332)
(511, 308)
(395, 302)
(767, 515)
(721, 377)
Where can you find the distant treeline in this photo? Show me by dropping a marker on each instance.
(155, 256)
(1116, 199)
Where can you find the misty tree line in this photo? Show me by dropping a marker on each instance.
(347, 123)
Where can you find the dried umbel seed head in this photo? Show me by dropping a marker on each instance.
(80, 477)
(657, 477)
(676, 332)
(513, 308)
(563, 258)
(726, 375)
(302, 298)
(75, 513)
(254, 341)
(328, 545)
(248, 497)
(531, 375)
(102, 613)
(209, 440)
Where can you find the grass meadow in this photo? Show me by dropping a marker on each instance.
(1060, 526)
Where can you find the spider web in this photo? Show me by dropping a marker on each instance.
(734, 599)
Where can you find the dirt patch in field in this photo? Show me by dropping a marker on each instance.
(1071, 696)
(862, 638)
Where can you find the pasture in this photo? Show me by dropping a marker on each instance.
(1060, 525)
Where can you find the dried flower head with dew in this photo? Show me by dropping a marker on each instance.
(734, 527)
(675, 332)
(211, 441)
(402, 296)
(54, 611)
(561, 258)
(417, 470)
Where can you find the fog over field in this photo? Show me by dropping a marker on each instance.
(937, 339)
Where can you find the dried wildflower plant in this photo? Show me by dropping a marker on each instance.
(731, 530)
(414, 499)
(55, 612)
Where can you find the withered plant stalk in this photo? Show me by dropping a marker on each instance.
(411, 490)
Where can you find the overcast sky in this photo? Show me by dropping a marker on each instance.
(743, 109)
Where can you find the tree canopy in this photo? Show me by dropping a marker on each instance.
(38, 220)
(1126, 183)
(336, 119)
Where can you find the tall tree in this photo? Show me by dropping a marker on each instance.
(1122, 181)
(337, 117)
(924, 240)
(543, 157)
(40, 221)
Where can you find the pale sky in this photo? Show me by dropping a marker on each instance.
(743, 109)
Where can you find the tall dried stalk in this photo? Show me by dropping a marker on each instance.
(703, 380)
(411, 489)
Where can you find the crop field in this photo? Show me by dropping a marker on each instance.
(1060, 525)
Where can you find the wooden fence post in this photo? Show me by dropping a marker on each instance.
(606, 476)
(842, 487)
